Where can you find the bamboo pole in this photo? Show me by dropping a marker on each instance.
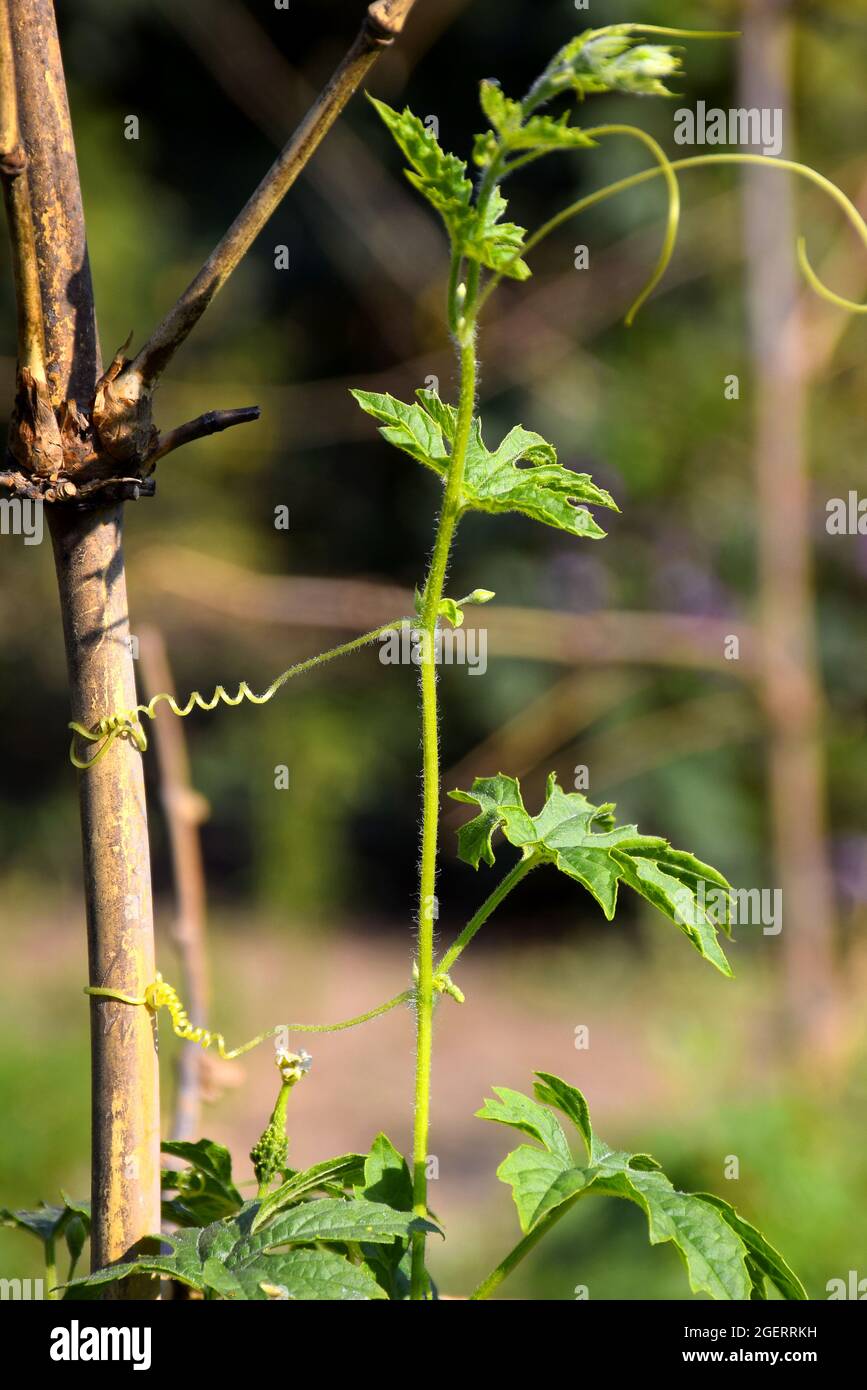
(90, 575)
(68, 419)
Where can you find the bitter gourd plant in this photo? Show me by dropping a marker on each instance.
(357, 1226)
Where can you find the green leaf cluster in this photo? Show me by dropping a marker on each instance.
(350, 1244)
(49, 1224)
(613, 60)
(476, 231)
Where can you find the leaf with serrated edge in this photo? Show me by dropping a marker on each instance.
(768, 1260)
(540, 133)
(344, 1169)
(543, 490)
(520, 1112)
(540, 1181)
(724, 1255)
(439, 177)
(308, 1276)
(714, 1256)
(407, 427)
(331, 1220)
(565, 834)
(553, 1090)
(494, 482)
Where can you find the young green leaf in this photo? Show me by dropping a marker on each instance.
(451, 610)
(49, 1223)
(476, 232)
(517, 134)
(543, 490)
(581, 840)
(204, 1156)
(387, 1178)
(540, 1182)
(409, 428)
(497, 245)
(517, 1110)
(493, 481)
(554, 1091)
(439, 177)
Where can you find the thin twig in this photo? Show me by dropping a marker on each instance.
(212, 422)
(382, 24)
(386, 223)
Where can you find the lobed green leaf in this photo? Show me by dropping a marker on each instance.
(725, 1257)
(582, 841)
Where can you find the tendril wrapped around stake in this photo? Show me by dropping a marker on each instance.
(162, 995)
(126, 724)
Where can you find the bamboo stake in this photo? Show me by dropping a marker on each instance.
(91, 581)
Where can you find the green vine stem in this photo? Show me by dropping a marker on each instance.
(161, 995)
(433, 593)
(515, 1256)
(502, 890)
(50, 1269)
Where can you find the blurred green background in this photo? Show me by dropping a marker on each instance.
(756, 765)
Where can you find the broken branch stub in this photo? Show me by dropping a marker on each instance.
(106, 452)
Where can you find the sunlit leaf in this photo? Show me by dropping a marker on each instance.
(581, 840)
(725, 1257)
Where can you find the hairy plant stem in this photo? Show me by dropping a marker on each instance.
(515, 1256)
(433, 593)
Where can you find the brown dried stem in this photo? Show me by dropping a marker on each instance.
(212, 422)
(382, 24)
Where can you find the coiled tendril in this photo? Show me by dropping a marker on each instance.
(126, 724)
(162, 995)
